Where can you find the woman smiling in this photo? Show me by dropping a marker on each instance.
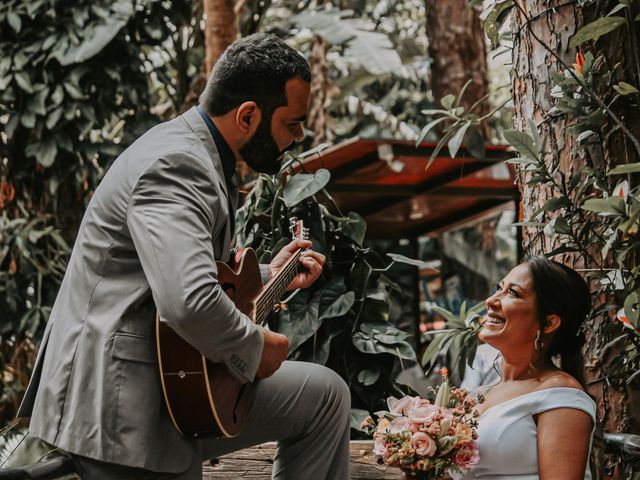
(537, 422)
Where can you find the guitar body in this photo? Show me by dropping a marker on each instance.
(204, 398)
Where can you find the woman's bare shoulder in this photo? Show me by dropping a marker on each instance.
(559, 378)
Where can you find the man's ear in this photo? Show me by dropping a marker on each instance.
(248, 116)
(552, 323)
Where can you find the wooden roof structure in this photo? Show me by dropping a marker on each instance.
(386, 182)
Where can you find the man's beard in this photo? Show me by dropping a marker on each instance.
(261, 152)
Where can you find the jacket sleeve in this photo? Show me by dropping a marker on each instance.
(170, 218)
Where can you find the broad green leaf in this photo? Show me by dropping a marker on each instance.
(596, 29)
(14, 21)
(332, 306)
(631, 308)
(623, 88)
(492, 17)
(355, 228)
(357, 417)
(556, 203)
(427, 128)
(533, 130)
(304, 185)
(624, 169)
(98, 36)
(561, 226)
(369, 376)
(301, 319)
(24, 81)
(53, 118)
(616, 9)
(456, 140)
(611, 205)
(447, 101)
(475, 144)
(373, 50)
(523, 143)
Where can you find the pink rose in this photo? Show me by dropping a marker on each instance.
(423, 414)
(467, 456)
(423, 444)
(380, 448)
(399, 424)
(403, 405)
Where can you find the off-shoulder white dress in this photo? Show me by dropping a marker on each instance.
(507, 433)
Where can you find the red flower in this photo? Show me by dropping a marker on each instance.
(579, 65)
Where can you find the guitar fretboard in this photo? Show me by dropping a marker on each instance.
(275, 288)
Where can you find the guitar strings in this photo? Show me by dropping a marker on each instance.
(264, 303)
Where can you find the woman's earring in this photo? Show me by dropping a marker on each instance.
(538, 343)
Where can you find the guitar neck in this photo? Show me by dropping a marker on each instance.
(275, 288)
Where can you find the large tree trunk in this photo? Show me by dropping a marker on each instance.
(458, 52)
(221, 30)
(318, 120)
(554, 22)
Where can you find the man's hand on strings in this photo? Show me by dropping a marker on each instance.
(310, 261)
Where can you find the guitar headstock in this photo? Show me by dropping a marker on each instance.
(297, 229)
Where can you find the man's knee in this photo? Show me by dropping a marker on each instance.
(335, 389)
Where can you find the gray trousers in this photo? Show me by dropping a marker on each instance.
(303, 406)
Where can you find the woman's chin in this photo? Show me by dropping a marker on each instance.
(490, 332)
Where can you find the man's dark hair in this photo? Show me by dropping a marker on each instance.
(254, 68)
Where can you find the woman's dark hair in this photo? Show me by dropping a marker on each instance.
(254, 68)
(562, 291)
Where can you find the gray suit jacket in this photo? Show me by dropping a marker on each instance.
(149, 239)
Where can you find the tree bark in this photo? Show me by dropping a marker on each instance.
(458, 52)
(554, 22)
(321, 93)
(221, 29)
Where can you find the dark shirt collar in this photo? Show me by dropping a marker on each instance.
(227, 157)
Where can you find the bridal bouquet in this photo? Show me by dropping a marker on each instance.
(429, 441)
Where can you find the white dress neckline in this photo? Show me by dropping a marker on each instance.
(502, 404)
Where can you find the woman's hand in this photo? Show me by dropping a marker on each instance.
(310, 260)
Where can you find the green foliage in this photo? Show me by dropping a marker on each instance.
(77, 83)
(342, 321)
(372, 49)
(376, 59)
(460, 333)
(461, 124)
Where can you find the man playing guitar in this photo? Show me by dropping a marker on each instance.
(149, 241)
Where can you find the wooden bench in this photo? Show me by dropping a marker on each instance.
(255, 464)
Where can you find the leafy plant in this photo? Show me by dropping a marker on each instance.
(75, 90)
(342, 321)
(460, 125)
(459, 334)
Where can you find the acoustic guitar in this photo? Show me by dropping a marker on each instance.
(203, 398)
